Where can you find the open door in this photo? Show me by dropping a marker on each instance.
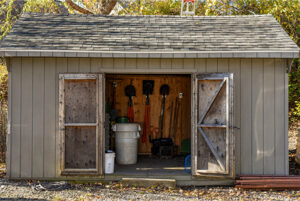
(212, 136)
(81, 123)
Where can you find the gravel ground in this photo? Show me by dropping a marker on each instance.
(29, 190)
(11, 190)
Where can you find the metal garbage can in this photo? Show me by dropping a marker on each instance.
(126, 142)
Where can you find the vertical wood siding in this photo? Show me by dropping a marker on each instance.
(15, 154)
(260, 108)
(246, 114)
(257, 124)
(38, 118)
(8, 134)
(49, 118)
(279, 112)
(26, 117)
(269, 116)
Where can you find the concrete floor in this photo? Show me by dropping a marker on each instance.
(150, 165)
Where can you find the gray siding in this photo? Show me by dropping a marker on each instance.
(260, 108)
(49, 118)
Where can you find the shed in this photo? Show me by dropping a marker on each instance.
(228, 78)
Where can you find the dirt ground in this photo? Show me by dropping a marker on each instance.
(27, 190)
(34, 190)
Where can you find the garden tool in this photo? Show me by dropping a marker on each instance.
(130, 92)
(170, 124)
(164, 91)
(148, 86)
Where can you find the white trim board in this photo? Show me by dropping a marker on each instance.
(147, 54)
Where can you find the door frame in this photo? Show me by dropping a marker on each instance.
(230, 166)
(100, 118)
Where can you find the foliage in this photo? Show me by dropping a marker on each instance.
(6, 25)
(294, 93)
(3, 84)
(43, 6)
(3, 110)
(149, 7)
(10, 12)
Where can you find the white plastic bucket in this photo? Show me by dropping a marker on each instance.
(109, 162)
(127, 135)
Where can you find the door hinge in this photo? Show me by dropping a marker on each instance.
(234, 127)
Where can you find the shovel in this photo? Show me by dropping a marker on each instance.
(164, 91)
(130, 92)
(148, 86)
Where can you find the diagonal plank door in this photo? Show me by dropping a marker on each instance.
(213, 146)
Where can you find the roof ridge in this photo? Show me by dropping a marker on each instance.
(30, 14)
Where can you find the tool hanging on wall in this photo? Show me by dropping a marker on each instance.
(148, 86)
(114, 85)
(170, 124)
(164, 91)
(130, 92)
(175, 119)
(163, 147)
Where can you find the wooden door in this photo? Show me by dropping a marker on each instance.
(212, 136)
(81, 123)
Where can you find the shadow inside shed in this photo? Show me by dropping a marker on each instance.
(173, 123)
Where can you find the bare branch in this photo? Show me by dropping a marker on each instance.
(78, 8)
(106, 6)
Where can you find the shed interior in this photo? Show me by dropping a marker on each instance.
(173, 123)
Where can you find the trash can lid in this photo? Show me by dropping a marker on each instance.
(119, 127)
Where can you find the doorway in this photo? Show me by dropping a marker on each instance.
(189, 123)
(174, 124)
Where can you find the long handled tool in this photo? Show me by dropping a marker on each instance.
(163, 147)
(175, 119)
(174, 123)
(114, 85)
(170, 124)
(164, 91)
(148, 86)
(130, 92)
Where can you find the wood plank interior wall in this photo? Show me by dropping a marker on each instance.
(178, 84)
(260, 108)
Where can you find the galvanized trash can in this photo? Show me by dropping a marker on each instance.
(126, 142)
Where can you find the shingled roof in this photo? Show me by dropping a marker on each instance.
(148, 36)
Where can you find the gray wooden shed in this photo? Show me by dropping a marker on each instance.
(238, 70)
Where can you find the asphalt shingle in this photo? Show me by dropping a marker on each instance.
(147, 33)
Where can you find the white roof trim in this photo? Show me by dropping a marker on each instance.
(173, 54)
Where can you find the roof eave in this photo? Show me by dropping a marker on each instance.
(147, 54)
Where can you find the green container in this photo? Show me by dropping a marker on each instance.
(186, 146)
(123, 120)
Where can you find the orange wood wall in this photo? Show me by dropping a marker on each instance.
(177, 83)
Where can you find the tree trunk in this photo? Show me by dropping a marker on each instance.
(102, 7)
(78, 8)
(106, 6)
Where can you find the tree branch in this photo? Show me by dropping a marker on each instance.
(78, 8)
(106, 6)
